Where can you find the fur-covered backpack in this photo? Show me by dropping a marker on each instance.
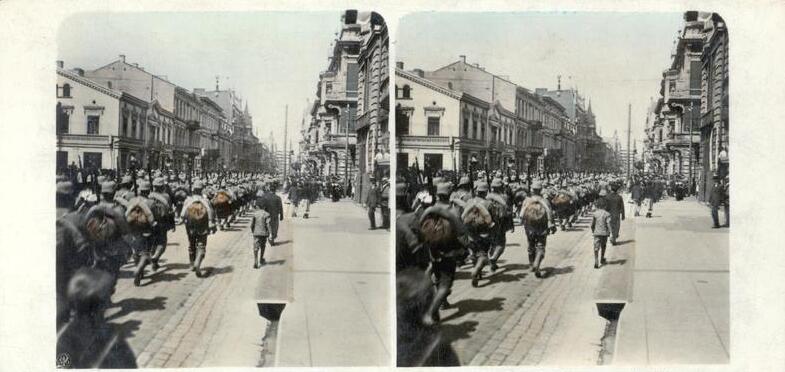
(476, 216)
(435, 227)
(100, 224)
(535, 217)
(499, 211)
(197, 215)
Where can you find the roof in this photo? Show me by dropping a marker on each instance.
(100, 88)
(436, 87)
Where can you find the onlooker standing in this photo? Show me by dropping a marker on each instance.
(636, 192)
(600, 228)
(260, 228)
(372, 201)
(615, 205)
(716, 199)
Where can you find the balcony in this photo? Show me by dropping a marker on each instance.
(684, 94)
(192, 124)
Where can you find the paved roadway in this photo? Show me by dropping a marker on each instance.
(333, 281)
(513, 318)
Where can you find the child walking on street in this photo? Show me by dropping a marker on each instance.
(260, 228)
(600, 228)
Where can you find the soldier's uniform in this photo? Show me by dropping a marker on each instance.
(197, 238)
(158, 239)
(537, 239)
(499, 232)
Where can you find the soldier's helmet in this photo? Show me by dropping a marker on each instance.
(89, 290)
(107, 187)
(158, 182)
(144, 185)
(482, 186)
(197, 186)
(463, 181)
(400, 189)
(496, 182)
(536, 185)
(125, 180)
(65, 188)
(443, 188)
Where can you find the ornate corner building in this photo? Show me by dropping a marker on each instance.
(687, 126)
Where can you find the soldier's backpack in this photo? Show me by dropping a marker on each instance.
(100, 224)
(196, 216)
(499, 211)
(535, 217)
(137, 219)
(476, 216)
(163, 214)
(435, 227)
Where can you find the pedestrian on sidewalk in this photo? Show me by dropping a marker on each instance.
(272, 204)
(615, 205)
(636, 193)
(601, 229)
(372, 201)
(260, 229)
(717, 199)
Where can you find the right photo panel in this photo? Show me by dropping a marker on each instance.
(562, 189)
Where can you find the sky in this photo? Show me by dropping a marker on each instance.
(613, 59)
(271, 59)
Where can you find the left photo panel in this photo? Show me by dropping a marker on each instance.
(223, 190)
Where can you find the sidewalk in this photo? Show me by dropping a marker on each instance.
(341, 309)
(679, 308)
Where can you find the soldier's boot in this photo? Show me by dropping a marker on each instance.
(198, 263)
(433, 309)
(538, 257)
(139, 271)
(477, 271)
(191, 259)
(159, 251)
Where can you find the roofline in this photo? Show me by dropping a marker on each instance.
(89, 83)
(429, 84)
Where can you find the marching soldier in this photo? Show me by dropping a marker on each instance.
(199, 222)
(537, 231)
(502, 221)
(142, 221)
(160, 201)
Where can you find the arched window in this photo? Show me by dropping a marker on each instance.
(406, 92)
(64, 91)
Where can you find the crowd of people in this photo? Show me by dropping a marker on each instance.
(447, 221)
(107, 219)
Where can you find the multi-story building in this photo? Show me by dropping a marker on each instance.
(332, 138)
(714, 124)
(373, 104)
(674, 127)
(180, 129)
(436, 127)
(98, 127)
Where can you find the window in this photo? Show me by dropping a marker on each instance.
(62, 162)
(125, 125)
(466, 126)
(62, 120)
(66, 91)
(433, 126)
(133, 127)
(482, 131)
(92, 160)
(474, 128)
(92, 124)
(109, 84)
(328, 87)
(352, 72)
(401, 124)
(432, 162)
(402, 160)
(406, 94)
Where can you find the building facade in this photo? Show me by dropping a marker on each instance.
(438, 128)
(177, 129)
(97, 127)
(687, 126)
(373, 104)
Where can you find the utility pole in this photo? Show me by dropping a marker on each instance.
(629, 128)
(346, 151)
(285, 134)
(691, 179)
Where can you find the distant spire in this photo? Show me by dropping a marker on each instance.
(246, 108)
(589, 109)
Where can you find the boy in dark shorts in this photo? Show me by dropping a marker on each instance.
(600, 228)
(260, 228)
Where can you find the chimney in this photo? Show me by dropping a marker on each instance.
(136, 65)
(398, 65)
(60, 64)
(122, 58)
(419, 72)
(78, 71)
(463, 58)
